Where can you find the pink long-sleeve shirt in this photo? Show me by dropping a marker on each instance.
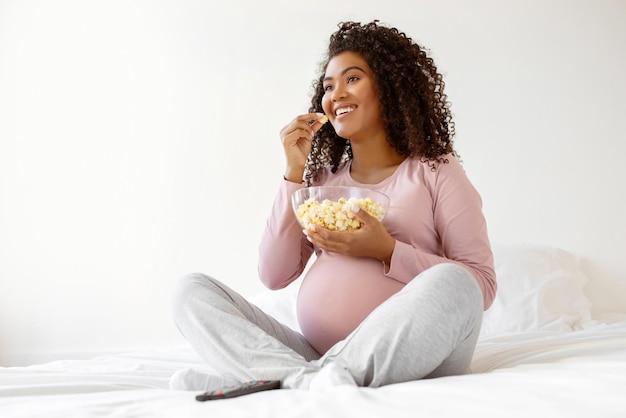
(435, 217)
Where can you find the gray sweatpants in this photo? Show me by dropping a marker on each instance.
(427, 329)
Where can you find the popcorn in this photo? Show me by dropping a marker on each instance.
(322, 119)
(337, 216)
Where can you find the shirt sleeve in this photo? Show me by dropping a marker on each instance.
(284, 250)
(462, 228)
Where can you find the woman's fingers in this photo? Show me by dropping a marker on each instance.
(303, 126)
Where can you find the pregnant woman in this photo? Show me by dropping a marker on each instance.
(391, 302)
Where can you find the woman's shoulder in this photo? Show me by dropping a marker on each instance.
(434, 173)
(444, 164)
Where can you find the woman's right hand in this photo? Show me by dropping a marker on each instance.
(296, 138)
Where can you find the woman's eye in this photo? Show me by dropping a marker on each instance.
(328, 87)
(352, 79)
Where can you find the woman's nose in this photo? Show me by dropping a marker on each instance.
(339, 92)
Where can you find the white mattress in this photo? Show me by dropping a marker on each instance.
(541, 353)
(551, 373)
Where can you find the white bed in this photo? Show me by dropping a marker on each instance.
(541, 352)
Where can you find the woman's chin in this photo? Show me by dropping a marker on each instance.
(344, 132)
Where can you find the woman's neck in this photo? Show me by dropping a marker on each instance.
(373, 162)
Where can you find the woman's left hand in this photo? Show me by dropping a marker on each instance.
(370, 240)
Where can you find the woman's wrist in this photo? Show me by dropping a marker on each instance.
(292, 181)
(294, 175)
(388, 253)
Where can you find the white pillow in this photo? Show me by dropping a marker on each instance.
(539, 288)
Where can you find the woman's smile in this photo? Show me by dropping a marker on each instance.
(344, 110)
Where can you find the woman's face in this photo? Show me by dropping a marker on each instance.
(350, 100)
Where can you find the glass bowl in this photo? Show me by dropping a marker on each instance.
(331, 206)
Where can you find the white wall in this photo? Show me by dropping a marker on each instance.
(139, 142)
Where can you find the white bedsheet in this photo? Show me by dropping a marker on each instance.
(526, 374)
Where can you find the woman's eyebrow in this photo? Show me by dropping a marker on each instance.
(345, 70)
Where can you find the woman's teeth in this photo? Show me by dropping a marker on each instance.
(343, 110)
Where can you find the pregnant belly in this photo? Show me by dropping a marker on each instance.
(337, 294)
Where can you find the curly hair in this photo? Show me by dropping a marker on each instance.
(415, 110)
